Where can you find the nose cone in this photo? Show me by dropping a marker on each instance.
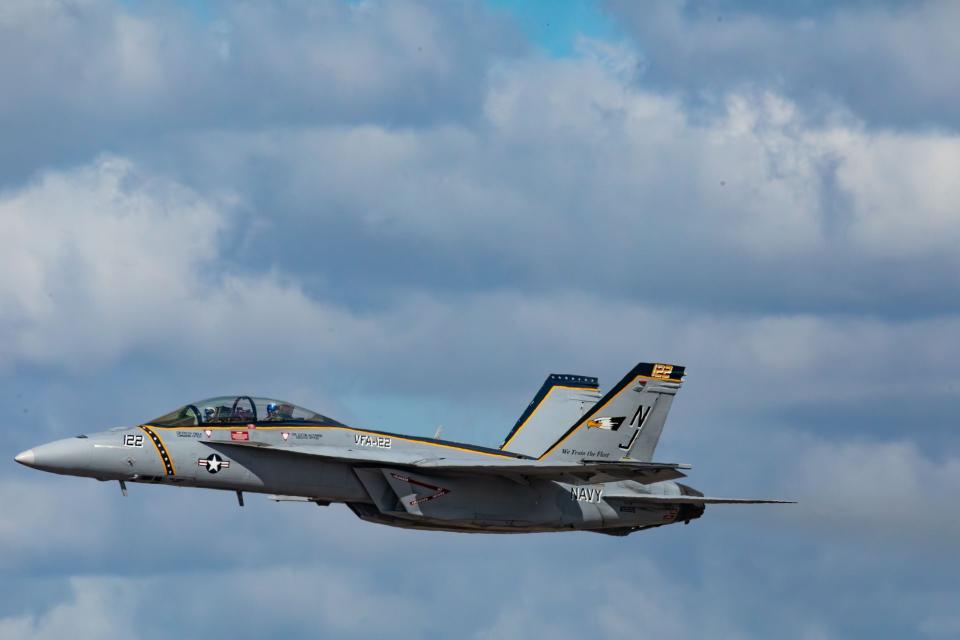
(70, 456)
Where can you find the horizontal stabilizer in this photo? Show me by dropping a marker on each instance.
(700, 500)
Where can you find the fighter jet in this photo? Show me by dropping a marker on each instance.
(576, 460)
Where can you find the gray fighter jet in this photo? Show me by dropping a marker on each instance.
(576, 460)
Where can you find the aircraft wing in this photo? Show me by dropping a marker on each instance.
(587, 471)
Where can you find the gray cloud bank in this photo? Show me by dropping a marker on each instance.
(888, 62)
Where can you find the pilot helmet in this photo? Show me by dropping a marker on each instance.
(209, 412)
(271, 408)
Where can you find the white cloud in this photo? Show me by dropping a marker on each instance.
(99, 252)
(220, 603)
(575, 172)
(876, 491)
(98, 609)
(106, 260)
(902, 188)
(560, 166)
(565, 602)
(343, 602)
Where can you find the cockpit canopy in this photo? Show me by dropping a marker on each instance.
(239, 410)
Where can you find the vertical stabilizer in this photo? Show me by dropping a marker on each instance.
(626, 422)
(560, 402)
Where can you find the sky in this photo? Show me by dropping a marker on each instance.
(406, 214)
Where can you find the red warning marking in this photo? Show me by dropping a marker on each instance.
(440, 491)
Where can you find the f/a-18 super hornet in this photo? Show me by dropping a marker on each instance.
(576, 460)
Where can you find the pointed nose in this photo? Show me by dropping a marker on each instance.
(69, 456)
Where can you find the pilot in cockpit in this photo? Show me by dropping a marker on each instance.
(279, 412)
(273, 412)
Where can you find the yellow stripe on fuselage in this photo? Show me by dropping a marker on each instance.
(165, 459)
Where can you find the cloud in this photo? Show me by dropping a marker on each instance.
(300, 599)
(883, 61)
(885, 490)
(112, 261)
(98, 252)
(36, 527)
(546, 174)
(98, 609)
(139, 71)
(593, 599)
(108, 260)
(576, 180)
(105, 607)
